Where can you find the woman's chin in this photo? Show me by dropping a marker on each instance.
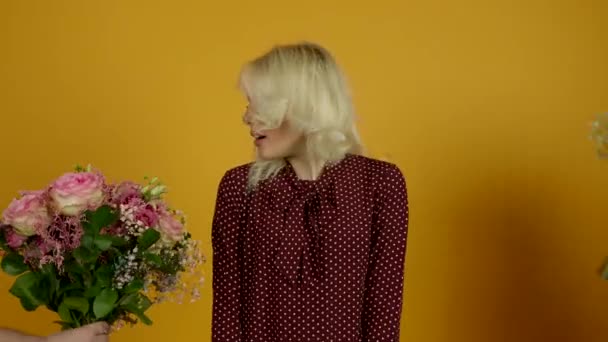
(265, 155)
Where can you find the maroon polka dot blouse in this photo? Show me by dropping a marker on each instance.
(322, 260)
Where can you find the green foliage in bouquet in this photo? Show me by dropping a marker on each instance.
(84, 294)
(599, 135)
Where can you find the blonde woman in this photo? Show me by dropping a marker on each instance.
(309, 240)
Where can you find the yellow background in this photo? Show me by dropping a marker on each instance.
(485, 105)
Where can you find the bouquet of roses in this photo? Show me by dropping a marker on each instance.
(93, 251)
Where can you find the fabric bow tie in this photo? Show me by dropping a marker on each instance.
(306, 207)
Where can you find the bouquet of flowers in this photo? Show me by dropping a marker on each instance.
(93, 251)
(599, 135)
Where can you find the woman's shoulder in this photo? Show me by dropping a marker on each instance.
(375, 168)
(235, 179)
(239, 172)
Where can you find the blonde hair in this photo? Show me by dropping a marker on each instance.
(303, 83)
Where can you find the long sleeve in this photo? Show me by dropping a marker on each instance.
(383, 297)
(226, 324)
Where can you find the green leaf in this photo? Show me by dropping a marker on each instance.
(49, 274)
(85, 255)
(103, 242)
(13, 264)
(153, 259)
(104, 303)
(134, 286)
(128, 300)
(143, 318)
(41, 291)
(93, 291)
(147, 239)
(88, 279)
(80, 254)
(24, 284)
(48, 286)
(74, 268)
(29, 304)
(118, 241)
(64, 313)
(87, 241)
(49, 270)
(69, 288)
(144, 302)
(27, 290)
(103, 276)
(76, 303)
(136, 302)
(104, 216)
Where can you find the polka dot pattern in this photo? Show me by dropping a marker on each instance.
(319, 260)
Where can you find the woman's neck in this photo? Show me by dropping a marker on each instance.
(305, 168)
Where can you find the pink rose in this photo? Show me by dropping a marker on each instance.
(13, 239)
(125, 191)
(74, 193)
(171, 229)
(147, 215)
(27, 214)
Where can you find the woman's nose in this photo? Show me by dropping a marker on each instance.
(247, 119)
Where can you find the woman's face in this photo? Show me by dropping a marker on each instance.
(278, 143)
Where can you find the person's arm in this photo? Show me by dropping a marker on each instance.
(384, 283)
(9, 335)
(226, 323)
(96, 332)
